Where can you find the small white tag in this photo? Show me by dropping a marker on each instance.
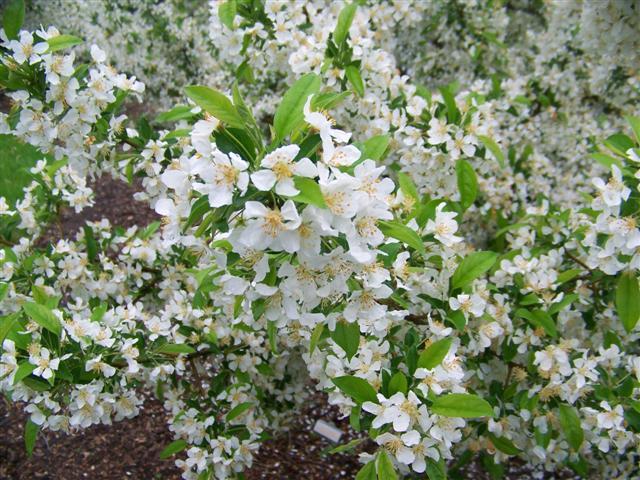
(328, 431)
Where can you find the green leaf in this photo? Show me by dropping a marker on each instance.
(407, 186)
(12, 18)
(92, 245)
(227, 12)
(173, 448)
(628, 300)
(385, 468)
(6, 325)
(467, 183)
(403, 233)
(272, 333)
(4, 288)
(345, 19)
(353, 75)
(568, 275)
(43, 316)
(328, 100)
(289, 114)
(619, 143)
(347, 336)
(357, 388)
(450, 101)
(472, 267)
(562, 304)
(347, 446)
(539, 319)
(493, 147)
(23, 371)
(175, 349)
(179, 112)
(315, 337)
(398, 383)
(375, 147)
(461, 405)
(238, 410)
(634, 123)
(434, 354)
(216, 103)
(436, 470)
(504, 445)
(571, 427)
(63, 41)
(606, 160)
(368, 472)
(310, 192)
(30, 435)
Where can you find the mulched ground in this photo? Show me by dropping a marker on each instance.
(130, 449)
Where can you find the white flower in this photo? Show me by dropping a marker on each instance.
(222, 177)
(24, 49)
(45, 365)
(399, 445)
(280, 169)
(438, 131)
(468, 304)
(399, 410)
(324, 126)
(611, 418)
(271, 228)
(444, 227)
(97, 54)
(613, 192)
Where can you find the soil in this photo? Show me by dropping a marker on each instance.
(130, 449)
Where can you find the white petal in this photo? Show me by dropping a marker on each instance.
(263, 179)
(305, 168)
(286, 188)
(254, 209)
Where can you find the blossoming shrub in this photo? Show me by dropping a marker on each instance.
(396, 255)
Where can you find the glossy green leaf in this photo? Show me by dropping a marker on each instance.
(345, 19)
(628, 300)
(215, 103)
(23, 371)
(504, 445)
(174, 447)
(175, 349)
(493, 147)
(473, 266)
(310, 192)
(289, 114)
(347, 336)
(571, 427)
(434, 354)
(355, 79)
(227, 12)
(467, 183)
(385, 468)
(357, 388)
(63, 41)
(403, 233)
(30, 435)
(238, 410)
(12, 18)
(43, 316)
(367, 472)
(461, 405)
(398, 383)
(407, 186)
(375, 147)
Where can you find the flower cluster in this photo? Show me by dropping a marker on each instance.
(415, 253)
